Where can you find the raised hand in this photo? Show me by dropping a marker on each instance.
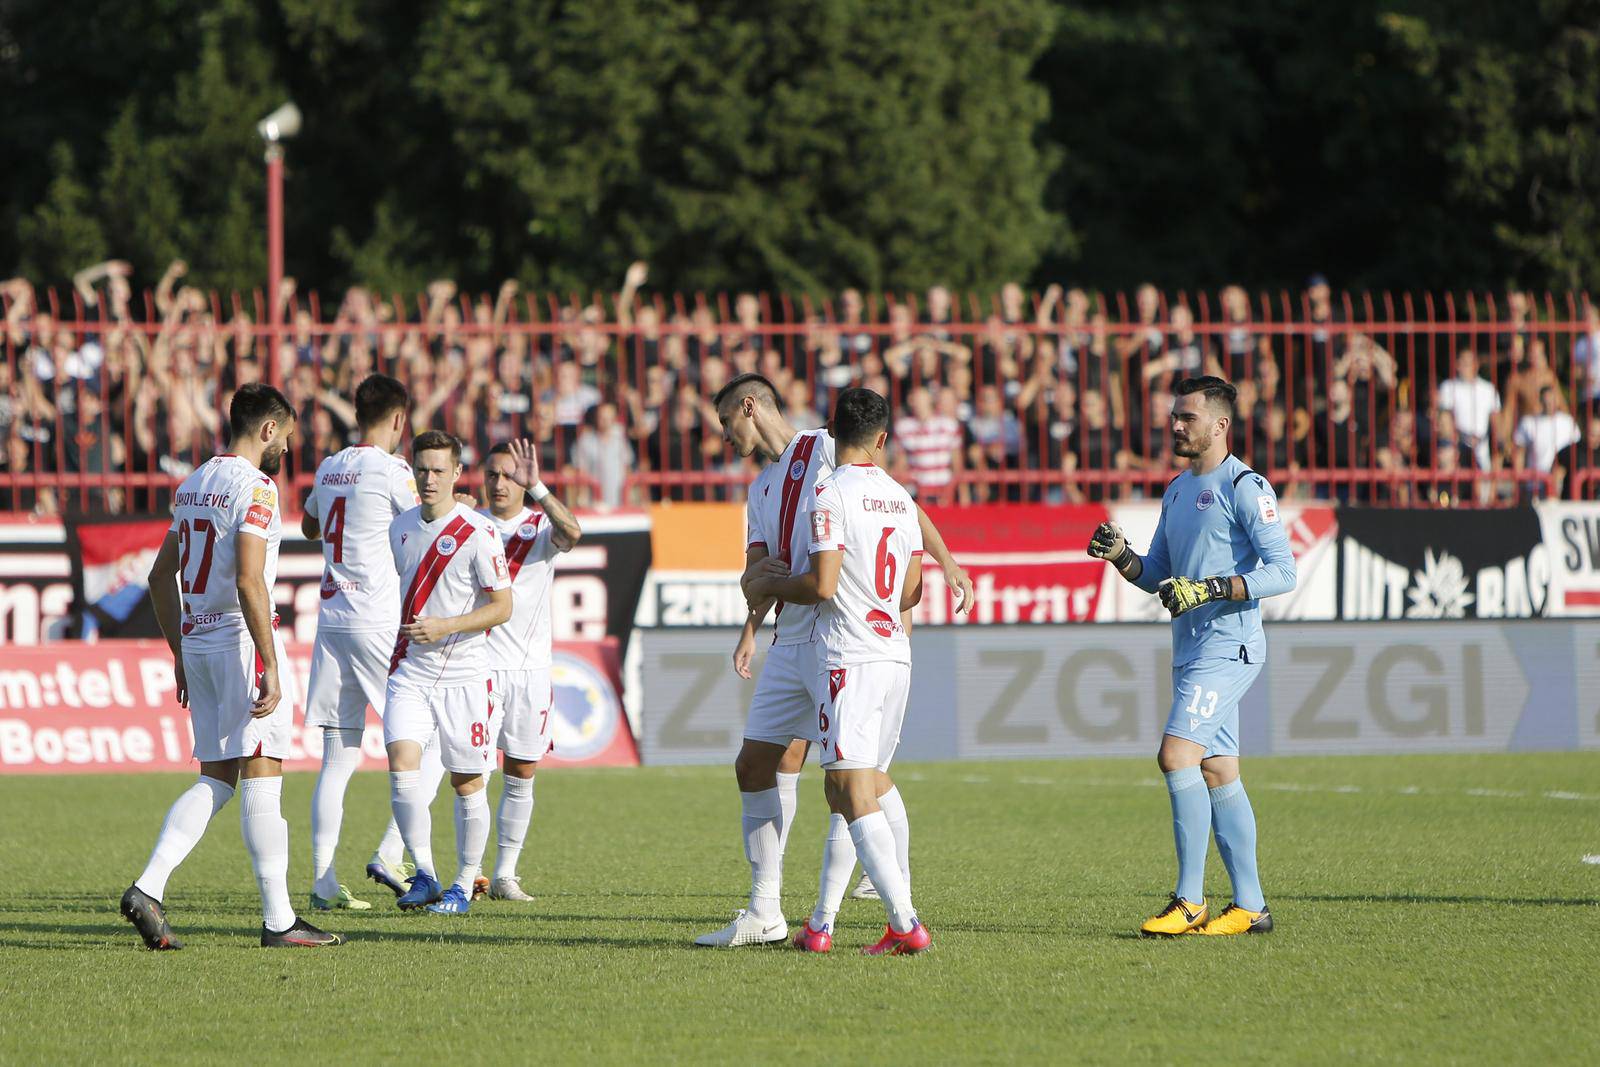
(526, 459)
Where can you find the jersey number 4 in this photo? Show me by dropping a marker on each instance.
(333, 532)
(885, 567)
(187, 532)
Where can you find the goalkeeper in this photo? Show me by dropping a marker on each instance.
(1219, 547)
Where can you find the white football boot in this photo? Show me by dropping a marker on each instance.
(746, 929)
(864, 889)
(508, 889)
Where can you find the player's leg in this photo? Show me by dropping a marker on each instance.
(525, 737)
(467, 724)
(1233, 822)
(335, 701)
(1192, 724)
(407, 726)
(894, 809)
(194, 809)
(266, 839)
(788, 780)
(861, 730)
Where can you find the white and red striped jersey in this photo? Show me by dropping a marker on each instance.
(226, 498)
(778, 516)
(524, 643)
(863, 512)
(447, 568)
(930, 446)
(357, 494)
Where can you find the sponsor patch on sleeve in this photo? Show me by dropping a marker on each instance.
(259, 516)
(821, 526)
(499, 566)
(264, 494)
(1267, 507)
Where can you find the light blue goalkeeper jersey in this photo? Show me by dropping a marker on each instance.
(1217, 525)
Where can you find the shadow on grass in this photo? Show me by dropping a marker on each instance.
(1430, 898)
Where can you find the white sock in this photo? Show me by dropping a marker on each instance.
(894, 809)
(875, 847)
(391, 849)
(762, 812)
(266, 838)
(185, 825)
(472, 837)
(516, 811)
(788, 801)
(411, 814)
(838, 864)
(341, 755)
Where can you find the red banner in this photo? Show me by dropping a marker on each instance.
(1027, 564)
(111, 706)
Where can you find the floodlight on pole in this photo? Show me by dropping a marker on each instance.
(276, 128)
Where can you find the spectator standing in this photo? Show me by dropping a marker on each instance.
(1586, 358)
(1541, 436)
(1578, 465)
(931, 444)
(1474, 402)
(602, 453)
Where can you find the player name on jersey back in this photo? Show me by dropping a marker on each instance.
(524, 642)
(863, 512)
(357, 494)
(778, 514)
(446, 567)
(226, 497)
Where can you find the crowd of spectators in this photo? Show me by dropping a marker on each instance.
(1062, 396)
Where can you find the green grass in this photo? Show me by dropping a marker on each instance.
(1416, 922)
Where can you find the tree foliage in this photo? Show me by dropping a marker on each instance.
(811, 144)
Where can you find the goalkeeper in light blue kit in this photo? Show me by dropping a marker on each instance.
(1218, 548)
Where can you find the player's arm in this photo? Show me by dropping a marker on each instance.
(1255, 508)
(813, 587)
(496, 611)
(1110, 544)
(564, 529)
(164, 597)
(911, 593)
(955, 576)
(255, 601)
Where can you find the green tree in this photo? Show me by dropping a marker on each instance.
(61, 234)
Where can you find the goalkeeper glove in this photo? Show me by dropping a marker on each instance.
(1179, 595)
(1108, 543)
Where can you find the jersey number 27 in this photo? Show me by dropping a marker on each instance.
(187, 532)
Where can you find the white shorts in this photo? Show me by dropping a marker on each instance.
(348, 671)
(466, 716)
(861, 714)
(785, 704)
(525, 699)
(223, 686)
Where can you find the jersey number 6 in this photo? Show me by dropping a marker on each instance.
(884, 570)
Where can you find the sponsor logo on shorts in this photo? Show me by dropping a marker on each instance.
(883, 624)
(1205, 500)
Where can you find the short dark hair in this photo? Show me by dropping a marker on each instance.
(433, 440)
(253, 404)
(744, 385)
(1215, 389)
(859, 416)
(378, 397)
(501, 449)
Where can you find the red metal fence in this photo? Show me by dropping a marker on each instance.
(1054, 396)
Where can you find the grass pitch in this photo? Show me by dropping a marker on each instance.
(1429, 909)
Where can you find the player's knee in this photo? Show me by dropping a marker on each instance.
(1176, 753)
(466, 784)
(756, 768)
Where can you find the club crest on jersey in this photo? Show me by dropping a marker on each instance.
(796, 469)
(446, 545)
(1205, 500)
(527, 531)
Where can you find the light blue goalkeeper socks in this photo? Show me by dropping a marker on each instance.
(1235, 824)
(1191, 829)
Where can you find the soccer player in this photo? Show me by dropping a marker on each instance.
(223, 550)
(357, 493)
(782, 717)
(457, 587)
(1219, 547)
(519, 652)
(865, 549)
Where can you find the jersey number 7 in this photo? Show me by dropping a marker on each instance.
(186, 536)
